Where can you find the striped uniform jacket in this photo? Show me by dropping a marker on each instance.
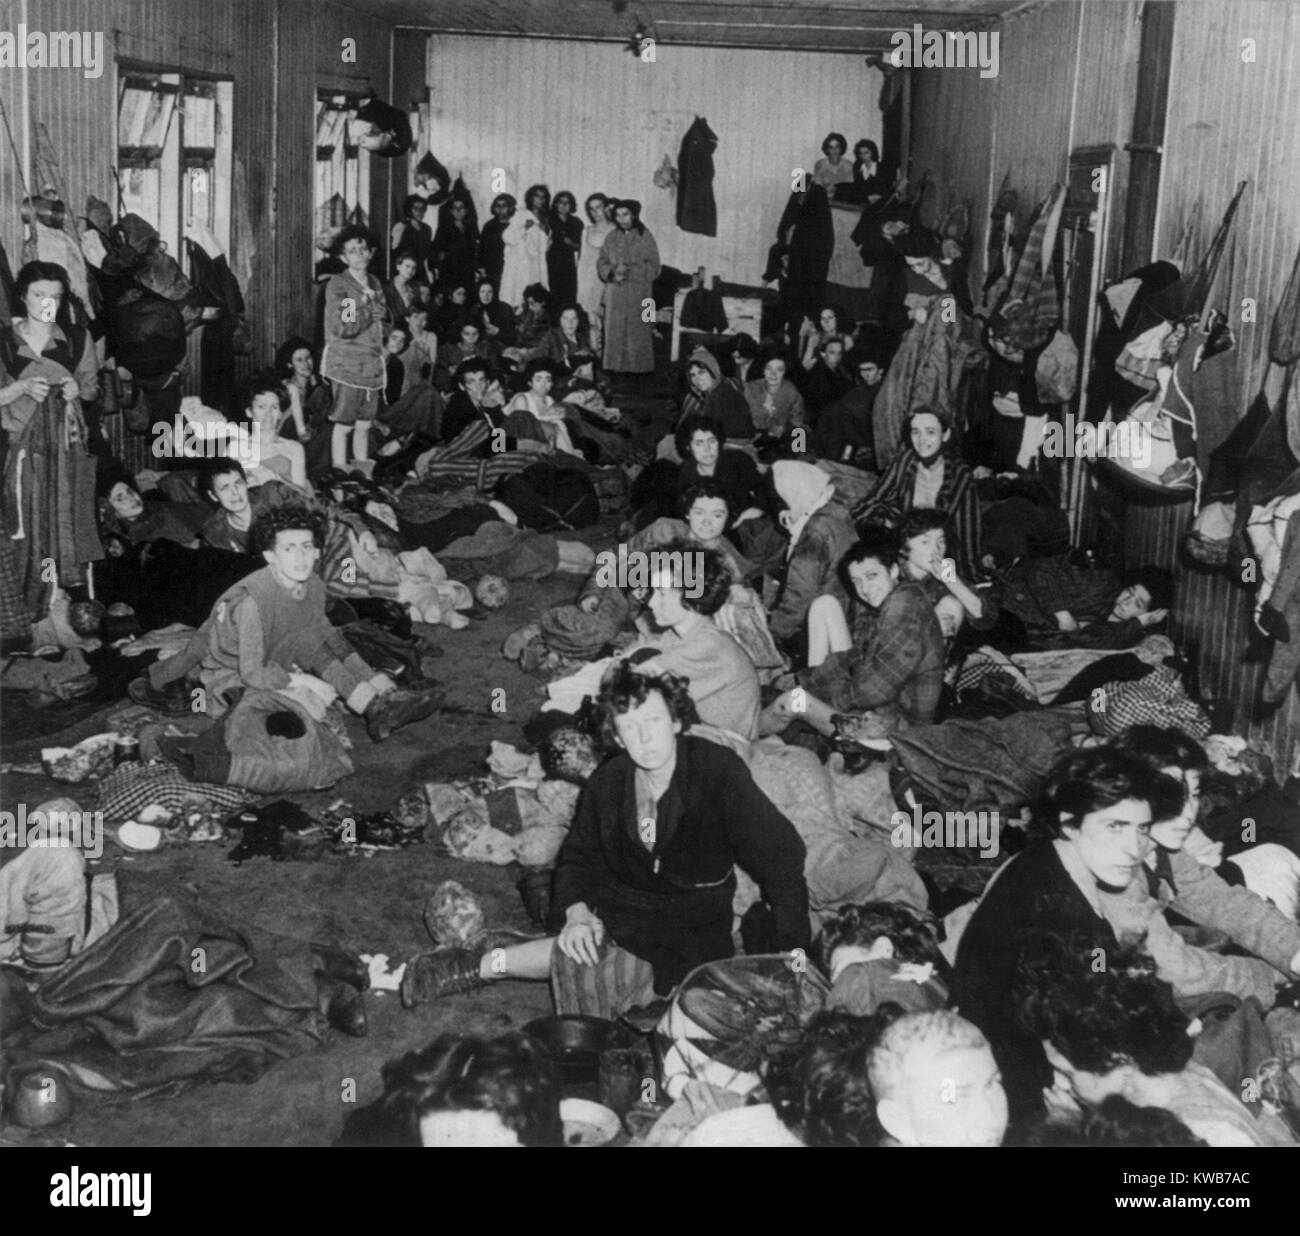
(892, 499)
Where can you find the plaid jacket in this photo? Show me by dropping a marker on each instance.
(895, 666)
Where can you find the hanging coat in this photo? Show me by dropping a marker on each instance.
(629, 339)
(696, 209)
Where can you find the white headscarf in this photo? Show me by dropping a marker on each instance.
(805, 489)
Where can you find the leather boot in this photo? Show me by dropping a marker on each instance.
(448, 972)
(339, 964)
(344, 1007)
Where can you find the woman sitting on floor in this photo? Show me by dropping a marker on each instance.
(495, 320)
(774, 402)
(888, 663)
(689, 588)
(569, 337)
(125, 513)
(1092, 827)
(1115, 1029)
(606, 605)
(928, 474)
(924, 561)
(646, 876)
(534, 414)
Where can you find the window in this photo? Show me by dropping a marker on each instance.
(342, 167)
(174, 158)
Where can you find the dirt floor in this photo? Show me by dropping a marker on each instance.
(373, 905)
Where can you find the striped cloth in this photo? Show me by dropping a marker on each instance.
(618, 982)
(468, 460)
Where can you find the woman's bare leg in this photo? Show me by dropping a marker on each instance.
(828, 630)
(361, 441)
(520, 961)
(339, 445)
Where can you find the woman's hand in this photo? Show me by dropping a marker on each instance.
(1066, 621)
(493, 330)
(70, 389)
(35, 388)
(582, 936)
(589, 605)
(1154, 616)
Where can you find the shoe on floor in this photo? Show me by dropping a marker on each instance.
(173, 699)
(344, 1007)
(400, 708)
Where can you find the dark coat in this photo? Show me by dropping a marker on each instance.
(1033, 894)
(696, 209)
(807, 234)
(671, 906)
(492, 251)
(562, 260)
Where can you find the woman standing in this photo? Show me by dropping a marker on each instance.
(491, 247)
(566, 243)
(455, 245)
(589, 285)
(356, 318)
(526, 239)
(628, 265)
(47, 368)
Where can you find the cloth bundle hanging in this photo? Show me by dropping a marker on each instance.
(1031, 309)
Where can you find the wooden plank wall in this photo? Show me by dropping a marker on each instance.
(1068, 79)
(277, 53)
(587, 117)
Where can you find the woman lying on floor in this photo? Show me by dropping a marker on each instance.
(886, 662)
(646, 876)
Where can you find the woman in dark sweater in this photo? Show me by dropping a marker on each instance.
(1096, 813)
(646, 876)
(562, 256)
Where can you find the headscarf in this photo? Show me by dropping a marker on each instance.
(805, 489)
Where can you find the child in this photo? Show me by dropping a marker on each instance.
(936, 1083)
(882, 953)
(270, 632)
(355, 317)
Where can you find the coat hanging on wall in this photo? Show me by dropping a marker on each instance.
(696, 209)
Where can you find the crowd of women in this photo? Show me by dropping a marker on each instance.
(836, 555)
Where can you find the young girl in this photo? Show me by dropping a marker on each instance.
(356, 318)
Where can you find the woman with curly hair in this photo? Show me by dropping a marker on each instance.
(645, 879)
(1116, 1030)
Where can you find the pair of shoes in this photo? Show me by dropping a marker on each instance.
(447, 972)
(399, 708)
(173, 700)
(339, 964)
(344, 1007)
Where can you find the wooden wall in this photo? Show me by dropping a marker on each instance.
(1068, 78)
(278, 54)
(588, 117)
